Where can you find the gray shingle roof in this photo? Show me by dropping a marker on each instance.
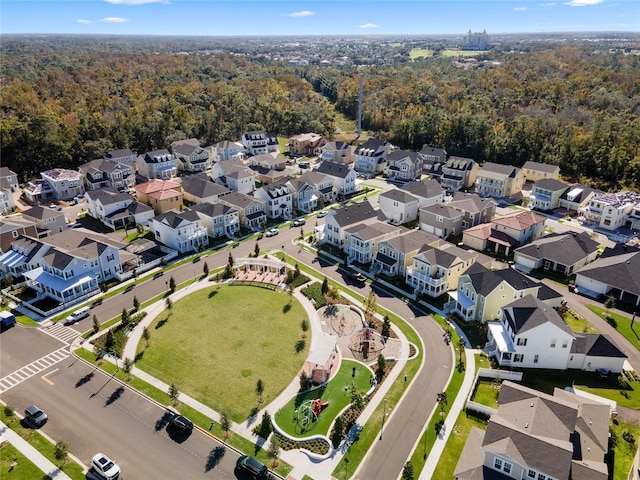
(399, 196)
(425, 189)
(597, 345)
(334, 169)
(618, 271)
(541, 167)
(529, 312)
(175, 219)
(551, 184)
(202, 186)
(563, 248)
(354, 213)
(108, 196)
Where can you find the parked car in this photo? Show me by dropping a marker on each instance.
(273, 232)
(158, 275)
(255, 468)
(299, 222)
(358, 277)
(35, 416)
(322, 213)
(182, 424)
(55, 207)
(105, 467)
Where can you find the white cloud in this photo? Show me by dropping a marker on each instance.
(134, 2)
(520, 9)
(302, 13)
(114, 20)
(82, 20)
(368, 25)
(583, 3)
(552, 4)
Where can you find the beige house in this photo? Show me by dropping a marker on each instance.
(500, 181)
(48, 221)
(396, 254)
(161, 195)
(535, 171)
(306, 144)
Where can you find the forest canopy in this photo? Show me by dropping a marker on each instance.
(574, 105)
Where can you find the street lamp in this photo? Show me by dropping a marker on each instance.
(346, 468)
(384, 414)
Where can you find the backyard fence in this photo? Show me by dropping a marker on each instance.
(489, 373)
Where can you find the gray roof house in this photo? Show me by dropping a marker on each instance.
(342, 218)
(535, 171)
(441, 220)
(433, 159)
(534, 435)
(546, 193)
(562, 253)
(399, 206)
(370, 157)
(199, 189)
(428, 191)
(219, 219)
(190, 156)
(395, 254)
(403, 166)
(615, 275)
(459, 173)
(47, 220)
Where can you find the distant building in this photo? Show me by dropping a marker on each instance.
(476, 41)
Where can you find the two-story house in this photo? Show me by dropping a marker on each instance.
(10, 178)
(234, 175)
(219, 219)
(273, 146)
(337, 220)
(123, 155)
(475, 209)
(433, 159)
(395, 255)
(161, 195)
(48, 221)
(25, 254)
(537, 436)
(535, 171)
(109, 206)
(337, 152)
(182, 231)
(200, 189)
(361, 240)
(458, 173)
(611, 210)
(226, 150)
(267, 168)
(157, 164)
(190, 156)
(575, 198)
(343, 177)
(251, 210)
(441, 220)
(278, 199)
(102, 173)
(57, 183)
(7, 202)
(403, 166)
(308, 144)
(399, 206)
(310, 190)
(545, 194)
(255, 142)
(504, 234)
(12, 227)
(482, 293)
(428, 192)
(500, 181)
(370, 157)
(436, 268)
(561, 253)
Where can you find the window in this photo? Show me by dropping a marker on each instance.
(535, 358)
(564, 344)
(531, 474)
(541, 476)
(522, 341)
(553, 343)
(518, 358)
(497, 464)
(506, 468)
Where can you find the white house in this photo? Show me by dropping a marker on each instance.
(57, 183)
(219, 219)
(343, 176)
(611, 210)
(25, 254)
(7, 204)
(399, 206)
(226, 150)
(103, 173)
(277, 198)
(370, 157)
(361, 240)
(234, 175)
(251, 210)
(255, 142)
(108, 206)
(181, 231)
(190, 156)
(157, 164)
(339, 219)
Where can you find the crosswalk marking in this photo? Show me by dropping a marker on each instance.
(61, 332)
(33, 368)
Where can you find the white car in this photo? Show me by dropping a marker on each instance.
(273, 232)
(322, 213)
(105, 467)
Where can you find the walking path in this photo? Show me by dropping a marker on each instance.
(32, 454)
(301, 462)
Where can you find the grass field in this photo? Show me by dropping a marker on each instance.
(579, 325)
(217, 344)
(621, 323)
(336, 393)
(486, 394)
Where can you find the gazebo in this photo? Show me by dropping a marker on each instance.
(321, 358)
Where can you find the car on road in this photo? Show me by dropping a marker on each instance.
(181, 424)
(105, 467)
(299, 222)
(35, 417)
(255, 468)
(78, 315)
(322, 213)
(158, 275)
(273, 232)
(358, 277)
(55, 207)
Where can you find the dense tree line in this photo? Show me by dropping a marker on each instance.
(65, 103)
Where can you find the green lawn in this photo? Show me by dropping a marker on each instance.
(455, 444)
(486, 394)
(579, 324)
(545, 380)
(218, 342)
(25, 470)
(336, 393)
(621, 323)
(623, 452)
(420, 52)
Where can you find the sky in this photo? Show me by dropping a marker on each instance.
(316, 17)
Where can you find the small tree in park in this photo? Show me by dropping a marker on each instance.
(274, 451)
(260, 390)
(173, 393)
(146, 335)
(205, 269)
(304, 325)
(172, 284)
(225, 423)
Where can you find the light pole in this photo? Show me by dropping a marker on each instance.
(346, 468)
(384, 414)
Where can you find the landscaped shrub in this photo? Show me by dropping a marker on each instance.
(314, 292)
(318, 446)
(299, 280)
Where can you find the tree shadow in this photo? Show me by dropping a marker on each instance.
(214, 458)
(162, 323)
(213, 293)
(139, 356)
(115, 395)
(86, 379)
(163, 421)
(253, 416)
(286, 308)
(612, 321)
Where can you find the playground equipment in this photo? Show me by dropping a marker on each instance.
(306, 415)
(366, 342)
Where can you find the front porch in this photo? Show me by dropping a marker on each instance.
(499, 345)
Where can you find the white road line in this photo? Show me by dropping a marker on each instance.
(28, 371)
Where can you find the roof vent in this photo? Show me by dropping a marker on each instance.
(531, 404)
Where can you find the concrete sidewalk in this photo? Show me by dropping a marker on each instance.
(32, 454)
